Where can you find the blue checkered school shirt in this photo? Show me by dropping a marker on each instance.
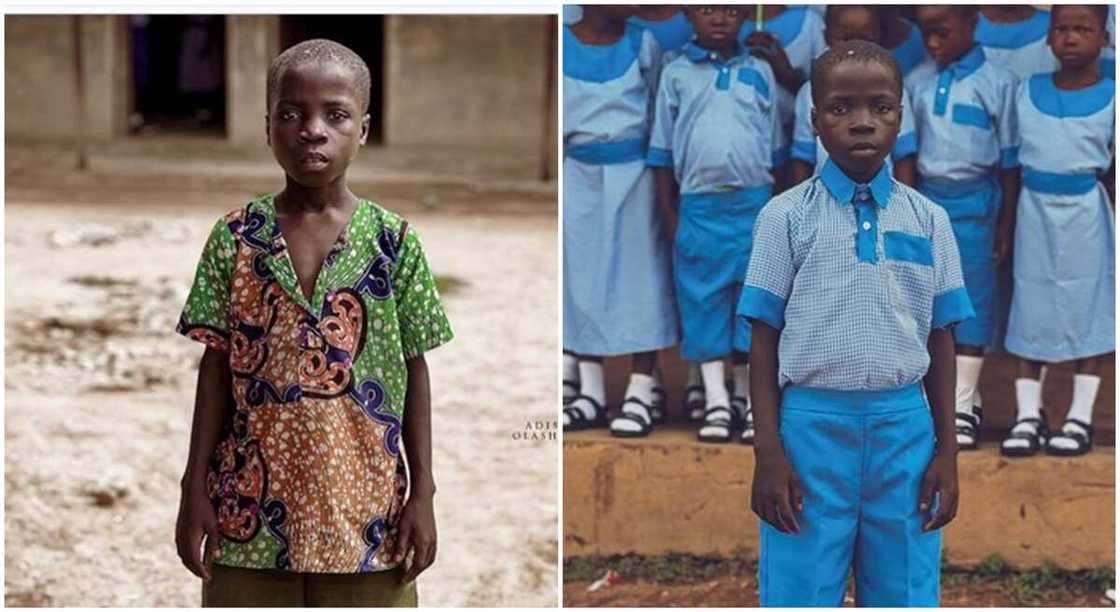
(854, 276)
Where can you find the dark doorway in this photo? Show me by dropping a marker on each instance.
(178, 73)
(365, 34)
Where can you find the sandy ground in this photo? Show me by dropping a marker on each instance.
(99, 395)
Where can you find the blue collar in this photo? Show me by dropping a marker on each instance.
(843, 188)
(967, 64)
(698, 54)
(1012, 35)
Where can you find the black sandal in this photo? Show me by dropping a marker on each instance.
(694, 408)
(717, 416)
(571, 391)
(642, 418)
(745, 419)
(578, 421)
(1084, 439)
(970, 428)
(1035, 440)
(657, 405)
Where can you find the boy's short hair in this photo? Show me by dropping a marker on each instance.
(832, 10)
(1100, 10)
(320, 50)
(855, 51)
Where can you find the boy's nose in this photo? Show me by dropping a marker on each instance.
(313, 131)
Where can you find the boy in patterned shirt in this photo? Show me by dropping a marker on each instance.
(316, 308)
(852, 288)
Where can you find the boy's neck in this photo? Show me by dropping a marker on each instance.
(726, 51)
(1077, 78)
(298, 199)
(859, 178)
(959, 57)
(597, 29)
(1008, 13)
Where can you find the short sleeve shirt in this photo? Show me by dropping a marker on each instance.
(309, 475)
(855, 277)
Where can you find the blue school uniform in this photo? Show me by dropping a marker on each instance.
(807, 146)
(672, 33)
(1063, 306)
(800, 31)
(967, 132)
(855, 277)
(618, 293)
(911, 53)
(1020, 47)
(716, 126)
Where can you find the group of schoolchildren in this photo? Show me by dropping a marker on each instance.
(680, 124)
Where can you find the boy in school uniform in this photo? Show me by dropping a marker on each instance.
(316, 308)
(968, 143)
(1063, 306)
(903, 39)
(853, 286)
(717, 145)
(845, 22)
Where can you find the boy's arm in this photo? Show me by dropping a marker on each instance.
(800, 171)
(667, 205)
(417, 525)
(906, 170)
(196, 513)
(941, 475)
(776, 495)
(1005, 229)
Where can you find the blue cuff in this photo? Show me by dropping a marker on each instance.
(659, 158)
(760, 304)
(779, 157)
(1009, 158)
(804, 151)
(905, 146)
(952, 307)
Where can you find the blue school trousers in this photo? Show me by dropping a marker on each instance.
(860, 457)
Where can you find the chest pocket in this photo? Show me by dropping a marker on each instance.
(753, 79)
(753, 102)
(972, 115)
(907, 247)
(909, 263)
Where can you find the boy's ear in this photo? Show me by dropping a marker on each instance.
(813, 120)
(365, 129)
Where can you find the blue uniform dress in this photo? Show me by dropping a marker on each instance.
(967, 132)
(672, 33)
(716, 126)
(911, 53)
(800, 31)
(1020, 47)
(1064, 300)
(855, 277)
(618, 290)
(808, 148)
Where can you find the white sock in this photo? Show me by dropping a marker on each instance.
(1028, 401)
(571, 367)
(640, 387)
(968, 376)
(714, 386)
(590, 384)
(1084, 396)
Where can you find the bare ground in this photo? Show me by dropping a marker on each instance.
(99, 394)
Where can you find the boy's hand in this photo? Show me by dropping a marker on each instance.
(197, 519)
(765, 45)
(1004, 239)
(776, 492)
(417, 530)
(940, 476)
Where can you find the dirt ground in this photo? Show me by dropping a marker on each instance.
(99, 395)
(738, 591)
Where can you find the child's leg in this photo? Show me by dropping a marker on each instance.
(1025, 436)
(587, 407)
(571, 376)
(970, 361)
(635, 418)
(717, 410)
(1076, 435)
(694, 399)
(741, 394)
(657, 402)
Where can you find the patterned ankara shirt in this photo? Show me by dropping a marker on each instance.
(309, 475)
(854, 276)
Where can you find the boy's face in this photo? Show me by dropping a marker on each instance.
(854, 23)
(315, 125)
(1076, 36)
(716, 25)
(857, 114)
(946, 32)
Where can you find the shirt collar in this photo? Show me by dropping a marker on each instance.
(698, 54)
(968, 63)
(843, 188)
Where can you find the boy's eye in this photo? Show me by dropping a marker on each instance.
(287, 115)
(732, 11)
(884, 108)
(838, 109)
(706, 10)
(338, 115)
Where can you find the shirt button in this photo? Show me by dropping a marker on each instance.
(713, 55)
(723, 70)
(866, 225)
(941, 91)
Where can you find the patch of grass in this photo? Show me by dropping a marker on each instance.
(663, 569)
(103, 282)
(447, 285)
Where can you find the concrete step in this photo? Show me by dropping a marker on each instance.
(669, 493)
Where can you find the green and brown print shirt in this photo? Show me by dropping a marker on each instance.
(309, 475)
